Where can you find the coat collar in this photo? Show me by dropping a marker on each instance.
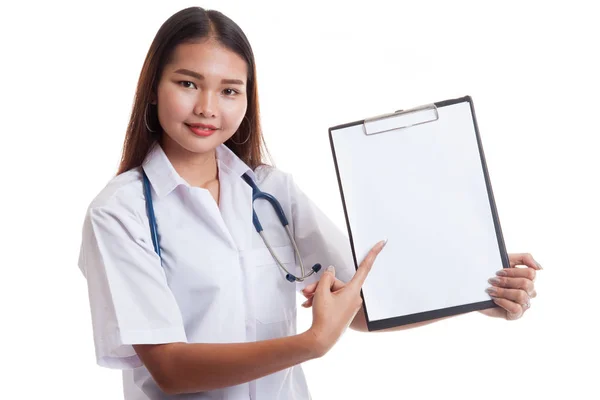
(164, 178)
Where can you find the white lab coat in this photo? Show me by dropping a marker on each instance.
(217, 283)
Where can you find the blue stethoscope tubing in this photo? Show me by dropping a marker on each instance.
(256, 194)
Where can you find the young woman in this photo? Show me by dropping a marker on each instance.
(186, 296)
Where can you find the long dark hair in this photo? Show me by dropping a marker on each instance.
(188, 25)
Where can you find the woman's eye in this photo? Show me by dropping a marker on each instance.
(230, 92)
(188, 84)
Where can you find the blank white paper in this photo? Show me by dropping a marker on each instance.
(423, 189)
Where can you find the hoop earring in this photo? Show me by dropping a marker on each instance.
(244, 142)
(146, 119)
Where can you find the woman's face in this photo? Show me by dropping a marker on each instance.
(204, 84)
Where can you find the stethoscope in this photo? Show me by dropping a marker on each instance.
(256, 194)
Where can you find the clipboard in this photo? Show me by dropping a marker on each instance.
(419, 178)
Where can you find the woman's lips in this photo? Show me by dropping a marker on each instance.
(200, 131)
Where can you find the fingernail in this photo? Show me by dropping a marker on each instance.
(491, 290)
(538, 264)
(494, 281)
(501, 273)
(305, 303)
(382, 244)
(331, 269)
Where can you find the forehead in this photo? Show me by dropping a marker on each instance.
(210, 59)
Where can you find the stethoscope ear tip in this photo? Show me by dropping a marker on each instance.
(316, 268)
(290, 278)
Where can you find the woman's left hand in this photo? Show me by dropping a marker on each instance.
(512, 289)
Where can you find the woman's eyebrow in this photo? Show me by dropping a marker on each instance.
(198, 76)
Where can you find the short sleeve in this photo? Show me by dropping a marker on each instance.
(130, 299)
(319, 240)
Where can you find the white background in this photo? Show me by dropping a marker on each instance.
(68, 77)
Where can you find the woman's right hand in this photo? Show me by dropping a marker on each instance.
(334, 311)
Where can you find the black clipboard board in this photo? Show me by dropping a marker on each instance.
(428, 129)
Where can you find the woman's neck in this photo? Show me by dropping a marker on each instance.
(197, 169)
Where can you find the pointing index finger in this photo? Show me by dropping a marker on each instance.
(365, 266)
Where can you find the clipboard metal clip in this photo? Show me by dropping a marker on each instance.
(401, 119)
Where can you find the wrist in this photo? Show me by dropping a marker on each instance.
(310, 340)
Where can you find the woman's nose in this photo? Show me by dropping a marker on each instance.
(206, 105)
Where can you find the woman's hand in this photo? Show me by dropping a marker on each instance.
(309, 291)
(512, 289)
(333, 311)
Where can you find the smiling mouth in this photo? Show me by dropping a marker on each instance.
(202, 130)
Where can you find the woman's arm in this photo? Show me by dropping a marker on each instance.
(197, 367)
(188, 368)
